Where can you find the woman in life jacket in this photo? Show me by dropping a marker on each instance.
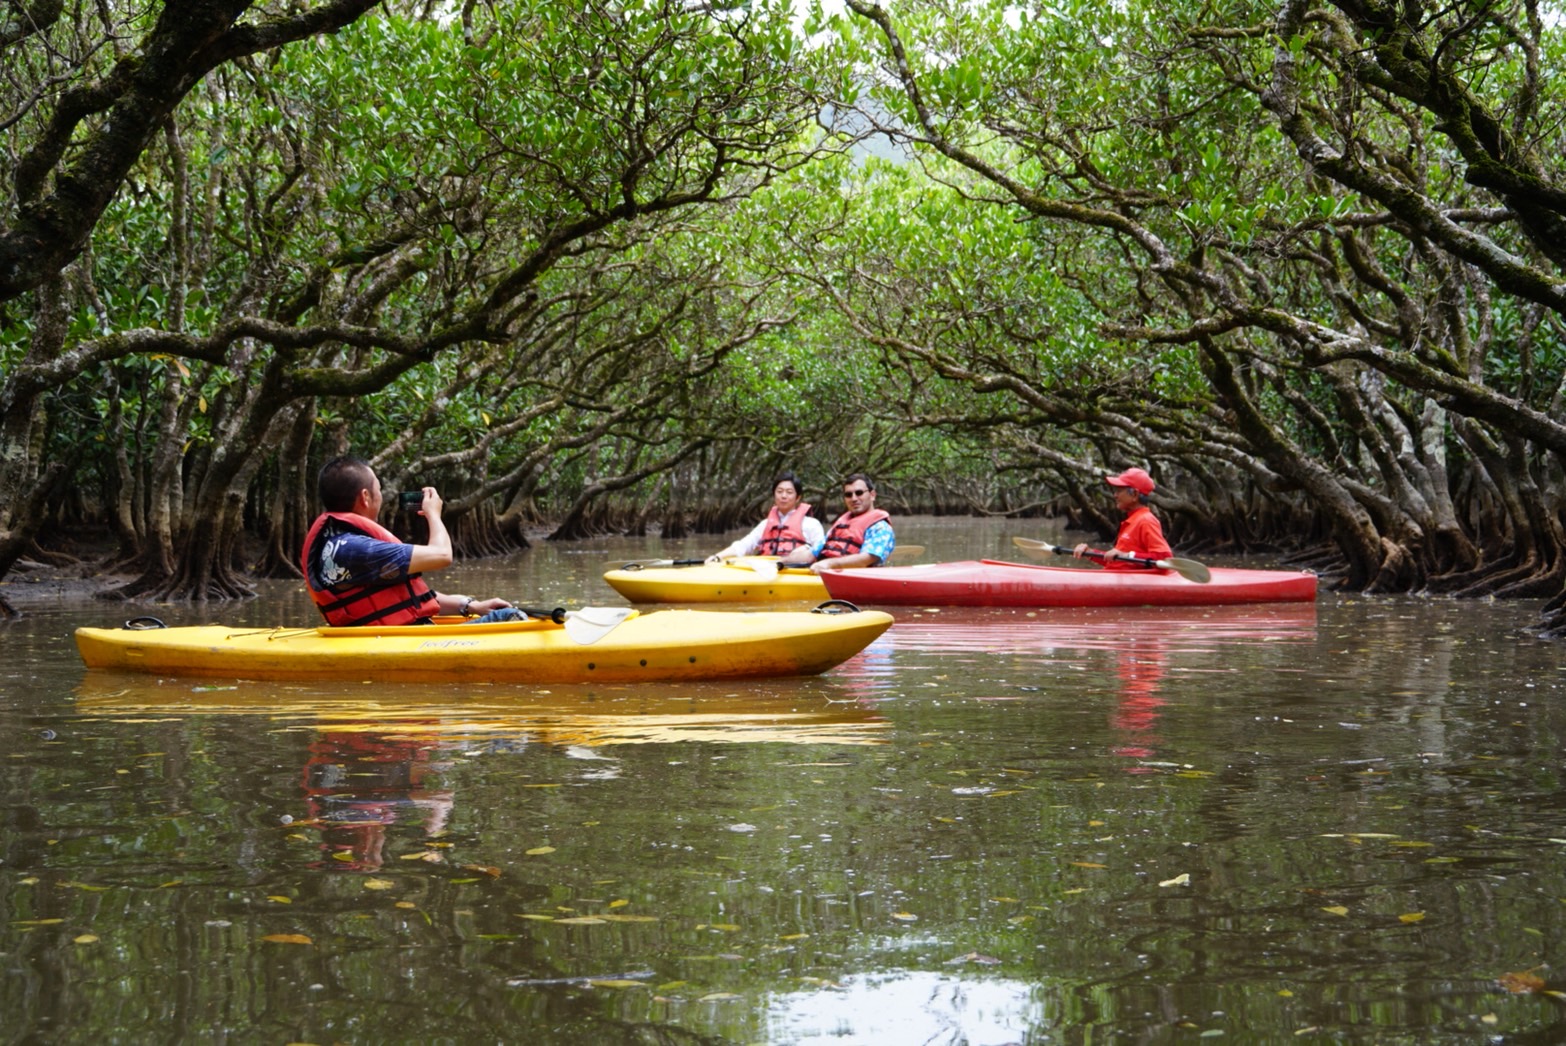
(789, 525)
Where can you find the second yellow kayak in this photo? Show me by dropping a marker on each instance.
(733, 582)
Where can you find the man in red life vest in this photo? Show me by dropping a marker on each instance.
(359, 573)
(861, 537)
(788, 526)
(1141, 535)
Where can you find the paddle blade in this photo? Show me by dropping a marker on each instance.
(907, 553)
(590, 624)
(1038, 549)
(764, 568)
(1189, 569)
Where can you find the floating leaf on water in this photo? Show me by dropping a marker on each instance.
(905, 917)
(287, 938)
(86, 938)
(1412, 844)
(1183, 879)
(670, 986)
(539, 851)
(538, 918)
(378, 884)
(629, 918)
(484, 869)
(278, 898)
(617, 984)
(621, 903)
(1442, 860)
(793, 936)
(725, 927)
(37, 922)
(1521, 983)
(1489, 1018)
(717, 997)
(1284, 993)
(580, 920)
(1005, 900)
(977, 958)
(1088, 864)
(405, 904)
(1411, 917)
(1336, 909)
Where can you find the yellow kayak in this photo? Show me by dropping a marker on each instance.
(748, 579)
(616, 645)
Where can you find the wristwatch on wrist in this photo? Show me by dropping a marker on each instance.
(466, 603)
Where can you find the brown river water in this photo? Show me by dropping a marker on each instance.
(1339, 822)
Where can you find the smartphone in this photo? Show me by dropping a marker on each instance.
(410, 500)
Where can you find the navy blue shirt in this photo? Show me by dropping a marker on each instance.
(354, 559)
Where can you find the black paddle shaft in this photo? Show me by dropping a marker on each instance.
(1061, 550)
(557, 615)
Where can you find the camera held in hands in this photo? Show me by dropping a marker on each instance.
(410, 500)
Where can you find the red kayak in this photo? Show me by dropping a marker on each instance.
(992, 583)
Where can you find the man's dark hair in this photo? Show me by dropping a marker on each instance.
(340, 481)
(853, 477)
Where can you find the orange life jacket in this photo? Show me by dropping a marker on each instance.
(781, 536)
(405, 601)
(847, 535)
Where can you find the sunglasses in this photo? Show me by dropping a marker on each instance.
(855, 493)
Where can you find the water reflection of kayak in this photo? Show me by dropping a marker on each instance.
(1101, 628)
(992, 583)
(568, 716)
(668, 645)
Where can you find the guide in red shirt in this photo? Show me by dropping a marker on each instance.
(1141, 535)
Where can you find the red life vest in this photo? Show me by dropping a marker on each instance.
(405, 601)
(847, 535)
(781, 536)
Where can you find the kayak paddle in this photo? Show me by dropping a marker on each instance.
(903, 553)
(586, 626)
(1189, 569)
(653, 564)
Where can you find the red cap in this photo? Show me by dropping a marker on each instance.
(1136, 479)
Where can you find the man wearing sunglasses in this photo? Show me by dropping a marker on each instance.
(861, 537)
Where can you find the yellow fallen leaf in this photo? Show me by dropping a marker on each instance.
(614, 918)
(539, 918)
(905, 917)
(580, 920)
(86, 938)
(793, 936)
(1089, 864)
(1490, 1018)
(404, 904)
(1411, 917)
(621, 903)
(725, 927)
(717, 997)
(378, 884)
(37, 922)
(617, 984)
(278, 898)
(540, 850)
(485, 869)
(1183, 879)
(287, 938)
(1284, 993)
(1336, 909)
